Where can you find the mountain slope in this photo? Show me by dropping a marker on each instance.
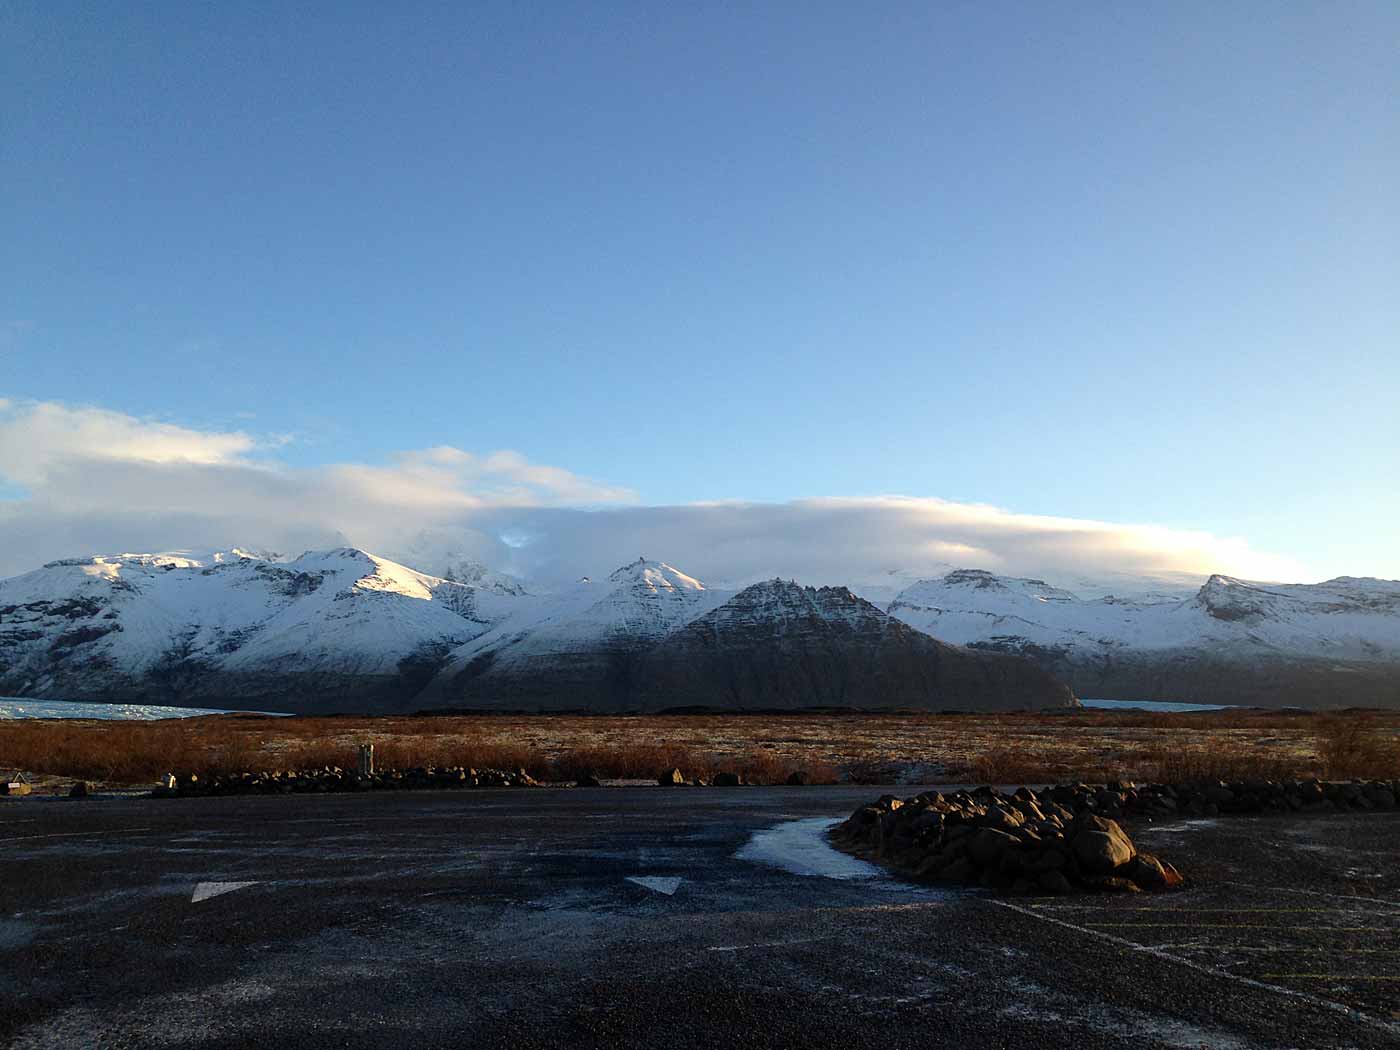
(316, 632)
(781, 645)
(579, 649)
(1332, 644)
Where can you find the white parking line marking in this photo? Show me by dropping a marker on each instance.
(205, 890)
(1330, 977)
(1318, 893)
(1210, 971)
(71, 834)
(1276, 949)
(667, 884)
(1203, 911)
(1234, 926)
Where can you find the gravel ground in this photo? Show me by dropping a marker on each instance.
(515, 919)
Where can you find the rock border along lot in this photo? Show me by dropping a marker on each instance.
(1066, 839)
(335, 779)
(1115, 800)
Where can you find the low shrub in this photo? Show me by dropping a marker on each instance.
(627, 761)
(1347, 746)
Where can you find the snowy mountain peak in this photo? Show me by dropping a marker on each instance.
(180, 559)
(786, 601)
(656, 576)
(798, 594)
(474, 574)
(1227, 598)
(980, 578)
(456, 558)
(979, 591)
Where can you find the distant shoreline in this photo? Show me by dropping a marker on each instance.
(17, 707)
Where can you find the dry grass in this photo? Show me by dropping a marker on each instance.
(122, 753)
(1350, 747)
(1004, 748)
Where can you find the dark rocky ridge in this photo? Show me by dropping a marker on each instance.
(780, 645)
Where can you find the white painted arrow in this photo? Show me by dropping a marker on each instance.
(667, 884)
(205, 890)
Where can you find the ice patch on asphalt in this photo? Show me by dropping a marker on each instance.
(800, 847)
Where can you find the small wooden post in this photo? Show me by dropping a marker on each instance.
(366, 760)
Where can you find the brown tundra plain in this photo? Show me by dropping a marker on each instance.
(1083, 745)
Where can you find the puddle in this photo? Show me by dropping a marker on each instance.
(800, 847)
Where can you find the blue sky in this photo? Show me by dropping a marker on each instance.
(1127, 263)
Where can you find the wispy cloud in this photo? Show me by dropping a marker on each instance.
(95, 480)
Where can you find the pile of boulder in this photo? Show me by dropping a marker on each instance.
(333, 778)
(1067, 838)
(1024, 843)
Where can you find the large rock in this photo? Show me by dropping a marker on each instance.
(1152, 874)
(1100, 845)
(989, 846)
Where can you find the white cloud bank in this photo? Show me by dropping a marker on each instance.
(91, 480)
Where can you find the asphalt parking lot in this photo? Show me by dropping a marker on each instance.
(662, 917)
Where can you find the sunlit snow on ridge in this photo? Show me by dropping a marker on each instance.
(19, 707)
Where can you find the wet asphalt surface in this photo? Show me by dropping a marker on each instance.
(509, 919)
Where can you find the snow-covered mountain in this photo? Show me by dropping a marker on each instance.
(478, 577)
(1332, 644)
(576, 648)
(235, 628)
(346, 630)
(445, 555)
